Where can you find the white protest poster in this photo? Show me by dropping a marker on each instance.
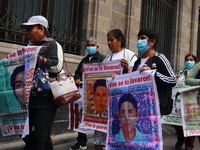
(16, 71)
(95, 108)
(191, 111)
(174, 118)
(134, 115)
(75, 114)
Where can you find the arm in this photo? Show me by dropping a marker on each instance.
(78, 72)
(51, 57)
(192, 79)
(133, 60)
(129, 61)
(125, 65)
(102, 58)
(164, 75)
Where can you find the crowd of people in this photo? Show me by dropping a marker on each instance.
(42, 110)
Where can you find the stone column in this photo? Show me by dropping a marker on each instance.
(104, 15)
(184, 32)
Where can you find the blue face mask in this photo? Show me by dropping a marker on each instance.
(142, 46)
(29, 43)
(91, 49)
(189, 64)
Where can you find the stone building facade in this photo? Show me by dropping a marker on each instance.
(100, 16)
(103, 15)
(185, 32)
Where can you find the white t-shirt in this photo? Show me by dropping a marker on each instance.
(127, 54)
(90, 58)
(143, 60)
(116, 56)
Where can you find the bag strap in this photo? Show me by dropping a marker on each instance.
(151, 56)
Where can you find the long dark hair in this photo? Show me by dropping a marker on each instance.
(117, 33)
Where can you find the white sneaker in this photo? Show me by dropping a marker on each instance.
(83, 147)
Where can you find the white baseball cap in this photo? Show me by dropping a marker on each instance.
(34, 20)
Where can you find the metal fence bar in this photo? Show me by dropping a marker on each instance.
(158, 14)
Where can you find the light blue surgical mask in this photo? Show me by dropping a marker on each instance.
(142, 46)
(91, 49)
(189, 64)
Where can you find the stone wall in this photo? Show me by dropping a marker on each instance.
(185, 29)
(103, 15)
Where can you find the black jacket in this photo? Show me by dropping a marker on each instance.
(165, 79)
(97, 57)
(54, 55)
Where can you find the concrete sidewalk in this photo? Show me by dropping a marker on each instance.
(64, 141)
(61, 138)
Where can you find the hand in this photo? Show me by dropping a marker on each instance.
(144, 68)
(77, 82)
(124, 64)
(82, 69)
(113, 76)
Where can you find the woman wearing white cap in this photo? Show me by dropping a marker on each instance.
(42, 110)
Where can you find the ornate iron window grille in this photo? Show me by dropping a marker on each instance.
(158, 15)
(64, 16)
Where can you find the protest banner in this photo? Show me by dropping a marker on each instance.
(134, 117)
(16, 71)
(75, 114)
(191, 110)
(95, 95)
(174, 118)
(184, 107)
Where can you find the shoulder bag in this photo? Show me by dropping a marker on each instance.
(63, 87)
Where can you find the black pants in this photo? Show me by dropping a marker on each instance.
(82, 138)
(40, 122)
(189, 141)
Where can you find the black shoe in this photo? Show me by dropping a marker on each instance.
(188, 148)
(178, 145)
(77, 146)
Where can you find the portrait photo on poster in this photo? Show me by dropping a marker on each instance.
(17, 83)
(127, 116)
(97, 98)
